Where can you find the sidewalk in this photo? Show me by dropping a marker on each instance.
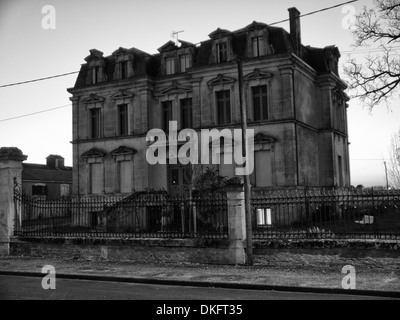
(297, 278)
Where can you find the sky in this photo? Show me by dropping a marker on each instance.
(30, 51)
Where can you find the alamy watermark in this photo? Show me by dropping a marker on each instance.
(49, 280)
(348, 21)
(349, 280)
(49, 20)
(189, 151)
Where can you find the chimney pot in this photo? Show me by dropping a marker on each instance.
(295, 30)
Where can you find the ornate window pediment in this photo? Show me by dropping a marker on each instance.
(257, 74)
(93, 98)
(94, 153)
(262, 138)
(220, 79)
(175, 88)
(122, 94)
(123, 151)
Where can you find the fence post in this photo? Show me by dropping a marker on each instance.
(10, 169)
(236, 224)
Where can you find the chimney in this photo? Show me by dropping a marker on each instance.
(295, 32)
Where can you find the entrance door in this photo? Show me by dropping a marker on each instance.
(179, 179)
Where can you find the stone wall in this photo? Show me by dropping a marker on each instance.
(136, 250)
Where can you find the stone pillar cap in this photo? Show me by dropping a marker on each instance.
(12, 153)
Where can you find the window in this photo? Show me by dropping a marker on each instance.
(262, 174)
(257, 46)
(223, 107)
(260, 103)
(264, 218)
(184, 62)
(179, 178)
(123, 69)
(122, 119)
(170, 66)
(222, 52)
(166, 114)
(226, 169)
(95, 75)
(186, 113)
(39, 190)
(125, 176)
(96, 178)
(64, 190)
(95, 123)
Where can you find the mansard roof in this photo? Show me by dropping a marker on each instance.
(323, 60)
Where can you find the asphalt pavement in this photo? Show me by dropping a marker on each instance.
(17, 287)
(306, 281)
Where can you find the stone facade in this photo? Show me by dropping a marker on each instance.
(295, 100)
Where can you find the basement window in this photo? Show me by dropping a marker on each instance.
(264, 217)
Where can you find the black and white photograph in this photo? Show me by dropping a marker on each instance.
(200, 158)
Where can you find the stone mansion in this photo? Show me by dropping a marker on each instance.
(295, 100)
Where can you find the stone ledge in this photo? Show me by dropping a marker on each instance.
(143, 242)
(328, 244)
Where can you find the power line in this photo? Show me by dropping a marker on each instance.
(33, 113)
(40, 79)
(317, 11)
(370, 50)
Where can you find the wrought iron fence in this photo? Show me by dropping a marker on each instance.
(143, 214)
(326, 214)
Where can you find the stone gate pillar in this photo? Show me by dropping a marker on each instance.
(10, 168)
(236, 224)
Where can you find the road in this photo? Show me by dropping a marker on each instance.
(30, 288)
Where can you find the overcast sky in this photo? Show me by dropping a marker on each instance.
(28, 51)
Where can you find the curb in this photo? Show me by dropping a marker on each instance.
(207, 284)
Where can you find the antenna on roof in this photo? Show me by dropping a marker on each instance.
(175, 34)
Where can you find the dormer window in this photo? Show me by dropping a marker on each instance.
(222, 52)
(257, 44)
(95, 67)
(169, 65)
(95, 75)
(123, 69)
(123, 60)
(184, 62)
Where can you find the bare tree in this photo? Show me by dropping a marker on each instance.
(376, 78)
(394, 164)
